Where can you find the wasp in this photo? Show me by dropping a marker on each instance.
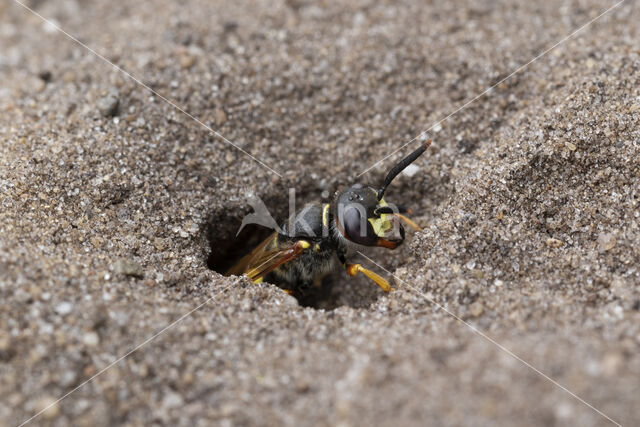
(297, 257)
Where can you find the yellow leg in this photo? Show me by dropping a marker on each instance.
(409, 222)
(354, 269)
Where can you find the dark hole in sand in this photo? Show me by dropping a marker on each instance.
(225, 252)
(226, 249)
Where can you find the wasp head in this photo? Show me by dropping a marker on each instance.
(364, 217)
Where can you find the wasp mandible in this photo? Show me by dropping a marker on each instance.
(297, 258)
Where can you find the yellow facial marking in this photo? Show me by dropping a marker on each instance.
(381, 225)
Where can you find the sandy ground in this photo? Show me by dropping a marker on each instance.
(112, 201)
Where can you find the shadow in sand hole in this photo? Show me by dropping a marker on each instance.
(226, 249)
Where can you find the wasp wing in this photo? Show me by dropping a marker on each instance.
(267, 256)
(249, 261)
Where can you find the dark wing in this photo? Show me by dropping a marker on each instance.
(267, 256)
(248, 260)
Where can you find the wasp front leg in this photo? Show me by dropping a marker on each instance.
(408, 221)
(354, 269)
(399, 212)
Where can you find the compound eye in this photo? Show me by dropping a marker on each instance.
(358, 229)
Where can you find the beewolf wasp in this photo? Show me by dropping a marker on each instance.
(297, 258)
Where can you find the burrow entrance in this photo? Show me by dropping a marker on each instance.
(422, 193)
(225, 249)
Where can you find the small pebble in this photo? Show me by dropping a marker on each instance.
(5, 343)
(220, 116)
(108, 104)
(411, 170)
(64, 308)
(90, 339)
(606, 241)
(22, 296)
(128, 268)
(50, 407)
(554, 243)
(172, 400)
(187, 61)
(476, 309)
(67, 378)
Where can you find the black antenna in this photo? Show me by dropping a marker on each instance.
(401, 166)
